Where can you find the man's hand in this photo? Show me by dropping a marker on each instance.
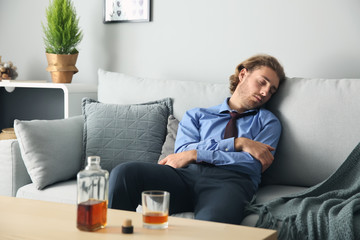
(258, 150)
(179, 160)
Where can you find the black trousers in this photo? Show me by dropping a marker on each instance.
(212, 193)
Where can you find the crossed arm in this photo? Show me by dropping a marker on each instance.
(253, 154)
(258, 150)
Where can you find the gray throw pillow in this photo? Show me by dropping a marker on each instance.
(51, 149)
(122, 133)
(169, 144)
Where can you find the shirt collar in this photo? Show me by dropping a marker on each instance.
(225, 108)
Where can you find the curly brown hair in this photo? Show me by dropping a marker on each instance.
(254, 63)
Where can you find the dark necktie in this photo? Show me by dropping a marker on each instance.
(231, 129)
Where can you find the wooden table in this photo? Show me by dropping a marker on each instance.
(33, 219)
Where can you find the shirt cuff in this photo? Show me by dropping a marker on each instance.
(203, 156)
(227, 145)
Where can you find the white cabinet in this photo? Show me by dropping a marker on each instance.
(28, 100)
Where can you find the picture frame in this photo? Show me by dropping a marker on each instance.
(126, 11)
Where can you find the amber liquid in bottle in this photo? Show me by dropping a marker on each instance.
(91, 215)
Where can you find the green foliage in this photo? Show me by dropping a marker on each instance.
(62, 32)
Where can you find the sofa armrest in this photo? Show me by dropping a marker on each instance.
(13, 173)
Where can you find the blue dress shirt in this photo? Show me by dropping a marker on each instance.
(202, 129)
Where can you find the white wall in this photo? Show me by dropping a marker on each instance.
(199, 40)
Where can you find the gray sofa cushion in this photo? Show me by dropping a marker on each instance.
(63, 192)
(121, 88)
(169, 144)
(320, 120)
(269, 193)
(121, 133)
(51, 149)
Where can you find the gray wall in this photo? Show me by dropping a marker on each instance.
(199, 40)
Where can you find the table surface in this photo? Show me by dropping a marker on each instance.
(34, 219)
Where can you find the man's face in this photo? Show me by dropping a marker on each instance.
(256, 88)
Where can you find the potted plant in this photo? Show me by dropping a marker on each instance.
(62, 35)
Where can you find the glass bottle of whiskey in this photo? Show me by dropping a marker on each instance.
(92, 196)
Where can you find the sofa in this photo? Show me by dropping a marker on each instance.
(319, 117)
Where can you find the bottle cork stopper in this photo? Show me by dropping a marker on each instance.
(127, 226)
(127, 223)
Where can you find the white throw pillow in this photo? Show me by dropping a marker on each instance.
(51, 149)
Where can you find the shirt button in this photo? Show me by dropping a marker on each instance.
(226, 149)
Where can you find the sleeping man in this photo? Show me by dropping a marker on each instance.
(220, 152)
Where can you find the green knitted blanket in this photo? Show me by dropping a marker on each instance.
(328, 210)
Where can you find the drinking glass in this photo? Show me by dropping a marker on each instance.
(155, 209)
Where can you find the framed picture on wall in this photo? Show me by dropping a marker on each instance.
(126, 11)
